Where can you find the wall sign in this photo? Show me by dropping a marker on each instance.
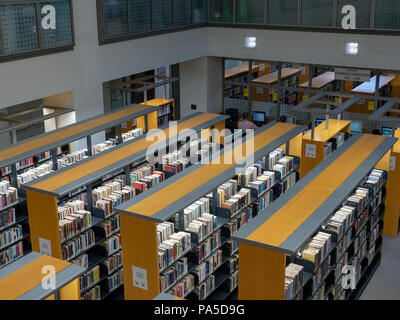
(139, 278)
(45, 246)
(352, 74)
(311, 150)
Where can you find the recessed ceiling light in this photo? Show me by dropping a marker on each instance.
(250, 42)
(351, 48)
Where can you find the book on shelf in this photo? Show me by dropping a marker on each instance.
(113, 262)
(7, 218)
(10, 235)
(89, 278)
(71, 248)
(112, 244)
(92, 294)
(8, 194)
(203, 270)
(169, 276)
(183, 287)
(11, 254)
(172, 248)
(205, 248)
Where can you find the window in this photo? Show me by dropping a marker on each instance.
(62, 35)
(182, 12)
(162, 14)
(250, 11)
(363, 12)
(199, 11)
(221, 10)
(115, 18)
(282, 12)
(139, 16)
(18, 25)
(387, 14)
(317, 13)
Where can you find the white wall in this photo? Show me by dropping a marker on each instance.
(201, 84)
(375, 51)
(84, 69)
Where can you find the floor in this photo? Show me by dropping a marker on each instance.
(385, 283)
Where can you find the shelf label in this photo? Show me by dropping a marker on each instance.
(262, 67)
(45, 246)
(275, 96)
(392, 164)
(371, 105)
(311, 150)
(352, 74)
(139, 278)
(246, 92)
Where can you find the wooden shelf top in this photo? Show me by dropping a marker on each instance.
(320, 81)
(166, 199)
(271, 78)
(72, 177)
(322, 134)
(158, 102)
(239, 69)
(23, 279)
(369, 87)
(292, 219)
(70, 133)
(396, 147)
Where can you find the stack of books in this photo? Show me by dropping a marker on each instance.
(8, 194)
(75, 246)
(11, 235)
(172, 248)
(112, 244)
(170, 275)
(113, 263)
(7, 218)
(293, 280)
(183, 287)
(204, 249)
(203, 226)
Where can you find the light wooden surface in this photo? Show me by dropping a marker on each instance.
(271, 78)
(64, 133)
(43, 221)
(239, 69)
(321, 81)
(369, 87)
(175, 191)
(140, 249)
(261, 273)
(334, 126)
(296, 211)
(28, 277)
(158, 102)
(68, 176)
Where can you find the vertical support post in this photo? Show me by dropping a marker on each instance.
(14, 136)
(89, 145)
(278, 102)
(145, 96)
(89, 196)
(310, 76)
(146, 123)
(288, 148)
(128, 175)
(312, 125)
(14, 176)
(249, 88)
(165, 91)
(214, 201)
(119, 131)
(377, 82)
(53, 153)
(181, 221)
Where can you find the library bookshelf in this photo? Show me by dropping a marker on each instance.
(290, 77)
(368, 89)
(166, 109)
(22, 279)
(45, 195)
(279, 235)
(239, 74)
(392, 211)
(323, 81)
(46, 150)
(313, 149)
(140, 216)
